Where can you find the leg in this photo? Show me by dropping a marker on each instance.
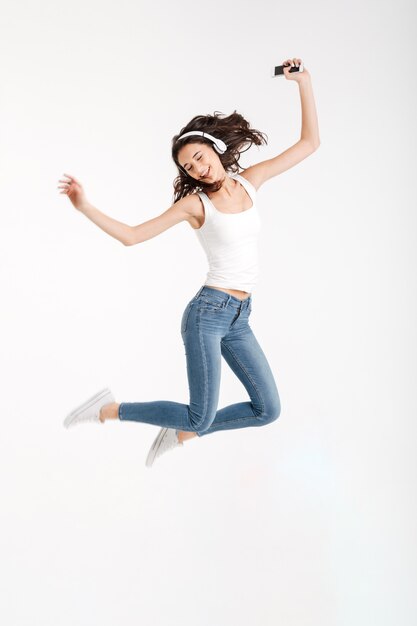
(203, 355)
(205, 343)
(111, 411)
(247, 360)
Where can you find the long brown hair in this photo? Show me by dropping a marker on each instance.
(233, 129)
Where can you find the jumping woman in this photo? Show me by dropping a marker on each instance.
(221, 206)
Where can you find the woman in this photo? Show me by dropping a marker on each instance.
(220, 204)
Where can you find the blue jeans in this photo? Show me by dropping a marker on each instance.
(215, 324)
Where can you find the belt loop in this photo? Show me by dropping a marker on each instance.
(228, 300)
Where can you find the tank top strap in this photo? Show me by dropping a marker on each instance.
(248, 186)
(208, 209)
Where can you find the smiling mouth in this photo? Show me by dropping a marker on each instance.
(206, 173)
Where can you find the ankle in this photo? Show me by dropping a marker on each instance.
(109, 411)
(183, 435)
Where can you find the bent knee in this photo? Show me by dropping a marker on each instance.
(271, 411)
(200, 421)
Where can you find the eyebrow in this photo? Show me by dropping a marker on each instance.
(193, 158)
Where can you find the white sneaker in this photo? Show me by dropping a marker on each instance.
(166, 439)
(89, 411)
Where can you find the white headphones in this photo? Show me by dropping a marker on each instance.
(219, 145)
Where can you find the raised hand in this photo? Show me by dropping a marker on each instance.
(74, 190)
(297, 76)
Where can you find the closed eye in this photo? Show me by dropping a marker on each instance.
(197, 160)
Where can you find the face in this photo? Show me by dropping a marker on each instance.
(197, 158)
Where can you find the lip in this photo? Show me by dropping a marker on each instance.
(208, 172)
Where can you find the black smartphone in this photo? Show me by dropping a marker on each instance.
(278, 70)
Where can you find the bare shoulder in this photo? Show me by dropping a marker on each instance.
(192, 207)
(190, 204)
(186, 208)
(250, 175)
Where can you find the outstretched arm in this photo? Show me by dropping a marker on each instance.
(127, 235)
(306, 145)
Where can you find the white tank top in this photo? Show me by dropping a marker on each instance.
(230, 241)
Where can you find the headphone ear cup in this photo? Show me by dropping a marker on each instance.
(219, 146)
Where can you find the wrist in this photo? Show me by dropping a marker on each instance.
(304, 80)
(85, 207)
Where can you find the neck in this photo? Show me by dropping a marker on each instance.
(228, 186)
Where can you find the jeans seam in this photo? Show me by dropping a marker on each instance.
(246, 374)
(204, 359)
(219, 306)
(234, 421)
(187, 315)
(213, 309)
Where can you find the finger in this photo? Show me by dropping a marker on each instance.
(72, 178)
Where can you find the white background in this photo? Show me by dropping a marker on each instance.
(310, 520)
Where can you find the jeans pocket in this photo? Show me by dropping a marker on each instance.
(185, 316)
(209, 303)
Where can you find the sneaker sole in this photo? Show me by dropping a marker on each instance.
(154, 449)
(86, 405)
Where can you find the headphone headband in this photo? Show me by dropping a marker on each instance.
(219, 145)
